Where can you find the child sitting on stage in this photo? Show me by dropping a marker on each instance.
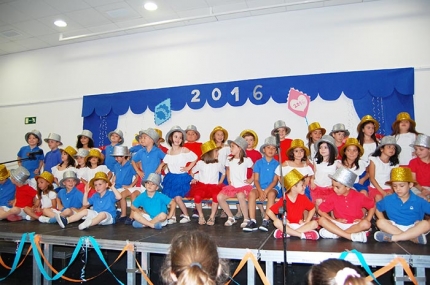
(46, 197)
(149, 209)
(103, 202)
(404, 209)
(296, 204)
(7, 188)
(347, 205)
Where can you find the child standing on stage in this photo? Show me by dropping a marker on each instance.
(366, 130)
(103, 202)
(220, 135)
(116, 138)
(81, 169)
(69, 199)
(351, 153)
(420, 166)
(315, 133)
(52, 157)
(25, 196)
(67, 163)
(405, 134)
(33, 162)
(149, 209)
(347, 205)
(404, 209)
(176, 183)
(209, 183)
(280, 128)
(7, 188)
(325, 163)
(236, 168)
(382, 161)
(191, 142)
(265, 182)
(85, 140)
(124, 178)
(46, 197)
(296, 204)
(339, 133)
(297, 159)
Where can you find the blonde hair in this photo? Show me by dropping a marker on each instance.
(193, 259)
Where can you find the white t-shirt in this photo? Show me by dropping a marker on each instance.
(306, 170)
(81, 172)
(382, 172)
(208, 172)
(223, 154)
(238, 171)
(177, 161)
(92, 172)
(45, 201)
(322, 171)
(59, 173)
(404, 140)
(361, 168)
(369, 149)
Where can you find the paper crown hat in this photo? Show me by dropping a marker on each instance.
(154, 178)
(55, 137)
(208, 146)
(69, 174)
(401, 174)
(100, 176)
(366, 119)
(349, 142)
(268, 141)
(194, 129)
(280, 124)
(35, 133)
(20, 174)
(298, 143)
(313, 127)
(120, 150)
(344, 176)
(254, 134)
(241, 142)
(292, 178)
(47, 176)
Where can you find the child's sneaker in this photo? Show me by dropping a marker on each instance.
(421, 239)
(27, 217)
(244, 223)
(185, 219)
(137, 225)
(312, 235)
(158, 226)
(359, 237)
(62, 221)
(382, 236)
(230, 221)
(85, 224)
(250, 227)
(195, 214)
(121, 219)
(171, 221)
(14, 218)
(264, 226)
(279, 234)
(44, 219)
(326, 234)
(128, 221)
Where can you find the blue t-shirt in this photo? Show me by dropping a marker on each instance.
(105, 203)
(30, 164)
(73, 199)
(152, 205)
(52, 158)
(110, 161)
(135, 149)
(149, 160)
(404, 214)
(266, 171)
(123, 174)
(7, 193)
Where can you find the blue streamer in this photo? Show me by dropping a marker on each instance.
(17, 255)
(363, 262)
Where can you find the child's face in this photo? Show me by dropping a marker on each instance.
(422, 152)
(339, 188)
(100, 186)
(324, 150)
(351, 152)
(299, 153)
(389, 150)
(80, 160)
(234, 149)
(42, 184)
(215, 153)
(69, 183)
(64, 156)
(120, 159)
(53, 145)
(146, 140)
(84, 140)
(404, 126)
(94, 160)
(339, 137)
(150, 186)
(299, 188)
(402, 188)
(269, 151)
(177, 138)
(191, 136)
(219, 136)
(368, 129)
(316, 135)
(250, 140)
(32, 140)
(114, 138)
(282, 133)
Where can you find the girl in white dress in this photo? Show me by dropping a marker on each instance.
(366, 130)
(67, 163)
(405, 134)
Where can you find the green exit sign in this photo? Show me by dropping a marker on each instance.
(30, 120)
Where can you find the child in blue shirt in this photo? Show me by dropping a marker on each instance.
(103, 202)
(33, 162)
(52, 157)
(149, 209)
(404, 209)
(116, 138)
(7, 188)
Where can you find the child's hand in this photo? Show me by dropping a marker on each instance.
(140, 173)
(301, 222)
(87, 188)
(184, 169)
(313, 185)
(36, 171)
(194, 181)
(249, 181)
(263, 195)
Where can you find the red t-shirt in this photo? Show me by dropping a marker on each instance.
(254, 155)
(194, 147)
(285, 145)
(347, 207)
(294, 209)
(421, 170)
(24, 196)
(338, 151)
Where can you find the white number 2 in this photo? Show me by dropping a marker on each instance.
(196, 93)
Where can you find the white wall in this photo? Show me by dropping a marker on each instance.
(371, 35)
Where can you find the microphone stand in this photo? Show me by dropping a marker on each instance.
(31, 157)
(283, 209)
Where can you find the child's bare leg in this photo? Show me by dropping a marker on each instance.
(222, 200)
(29, 211)
(97, 219)
(261, 208)
(312, 225)
(180, 203)
(239, 210)
(48, 213)
(242, 201)
(252, 197)
(214, 208)
(271, 196)
(67, 213)
(123, 202)
(78, 216)
(199, 209)
(278, 224)
(159, 218)
(361, 226)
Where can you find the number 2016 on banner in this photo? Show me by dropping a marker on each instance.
(216, 94)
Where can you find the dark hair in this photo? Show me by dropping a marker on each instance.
(396, 129)
(208, 157)
(241, 155)
(170, 138)
(394, 160)
(325, 273)
(80, 145)
(290, 155)
(88, 163)
(332, 156)
(360, 136)
(193, 259)
(70, 160)
(357, 159)
(247, 134)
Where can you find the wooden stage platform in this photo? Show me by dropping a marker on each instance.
(233, 244)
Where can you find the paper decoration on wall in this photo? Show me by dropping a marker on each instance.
(298, 103)
(162, 112)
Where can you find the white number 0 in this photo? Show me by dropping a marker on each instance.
(216, 94)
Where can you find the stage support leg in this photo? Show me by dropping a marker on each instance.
(144, 263)
(131, 267)
(269, 271)
(37, 277)
(251, 272)
(420, 274)
(398, 275)
(47, 251)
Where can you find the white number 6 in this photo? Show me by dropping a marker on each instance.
(257, 94)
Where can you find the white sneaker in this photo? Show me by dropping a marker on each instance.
(360, 237)
(171, 221)
(326, 234)
(86, 224)
(28, 218)
(44, 219)
(185, 219)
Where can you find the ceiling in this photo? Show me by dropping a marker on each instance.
(29, 24)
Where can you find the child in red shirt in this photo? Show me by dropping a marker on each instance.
(282, 130)
(420, 166)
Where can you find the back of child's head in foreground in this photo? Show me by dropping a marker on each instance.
(193, 260)
(336, 272)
